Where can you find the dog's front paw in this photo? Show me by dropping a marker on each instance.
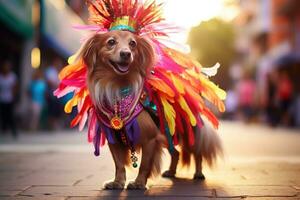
(136, 186)
(199, 176)
(114, 186)
(169, 174)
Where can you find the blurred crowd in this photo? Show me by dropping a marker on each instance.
(264, 76)
(274, 102)
(44, 110)
(8, 91)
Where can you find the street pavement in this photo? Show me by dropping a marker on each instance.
(260, 163)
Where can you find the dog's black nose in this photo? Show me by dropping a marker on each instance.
(125, 55)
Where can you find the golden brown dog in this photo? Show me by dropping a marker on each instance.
(121, 58)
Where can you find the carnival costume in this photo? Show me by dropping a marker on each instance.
(176, 90)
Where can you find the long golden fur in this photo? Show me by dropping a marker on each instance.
(121, 58)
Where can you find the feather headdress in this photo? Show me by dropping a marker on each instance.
(178, 87)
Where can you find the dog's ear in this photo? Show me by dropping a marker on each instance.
(90, 51)
(146, 55)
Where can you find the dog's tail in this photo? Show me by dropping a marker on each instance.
(207, 144)
(210, 145)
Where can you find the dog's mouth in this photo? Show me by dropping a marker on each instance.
(120, 67)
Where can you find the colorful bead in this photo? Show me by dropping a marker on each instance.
(135, 165)
(133, 158)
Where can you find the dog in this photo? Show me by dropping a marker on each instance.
(120, 58)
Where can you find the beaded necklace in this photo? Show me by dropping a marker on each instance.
(121, 120)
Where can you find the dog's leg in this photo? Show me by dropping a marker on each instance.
(150, 164)
(151, 142)
(119, 154)
(148, 151)
(170, 173)
(198, 173)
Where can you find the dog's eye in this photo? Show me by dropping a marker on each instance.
(132, 44)
(111, 42)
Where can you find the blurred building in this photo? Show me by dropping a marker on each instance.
(33, 34)
(269, 40)
(268, 27)
(286, 23)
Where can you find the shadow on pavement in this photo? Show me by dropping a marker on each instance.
(180, 188)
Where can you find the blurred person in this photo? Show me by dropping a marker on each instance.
(236, 71)
(296, 111)
(271, 100)
(54, 107)
(51, 73)
(246, 95)
(264, 66)
(231, 104)
(285, 95)
(8, 91)
(37, 90)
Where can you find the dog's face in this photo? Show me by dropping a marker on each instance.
(114, 60)
(118, 52)
(120, 48)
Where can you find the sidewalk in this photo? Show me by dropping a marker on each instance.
(261, 163)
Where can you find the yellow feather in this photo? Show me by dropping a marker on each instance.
(69, 69)
(169, 114)
(208, 84)
(218, 91)
(188, 111)
(70, 104)
(192, 73)
(221, 106)
(178, 84)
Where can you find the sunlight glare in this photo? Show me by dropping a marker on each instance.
(190, 13)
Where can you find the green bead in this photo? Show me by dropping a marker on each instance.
(134, 165)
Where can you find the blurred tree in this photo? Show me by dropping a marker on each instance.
(211, 42)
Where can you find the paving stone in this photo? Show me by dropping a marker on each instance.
(67, 161)
(86, 198)
(7, 176)
(32, 198)
(11, 190)
(122, 193)
(62, 191)
(254, 174)
(256, 191)
(13, 187)
(23, 161)
(50, 178)
(183, 191)
(97, 178)
(296, 187)
(76, 174)
(138, 198)
(225, 179)
(8, 193)
(272, 198)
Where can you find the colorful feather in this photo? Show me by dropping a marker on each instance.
(169, 114)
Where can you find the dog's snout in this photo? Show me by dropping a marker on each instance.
(125, 55)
